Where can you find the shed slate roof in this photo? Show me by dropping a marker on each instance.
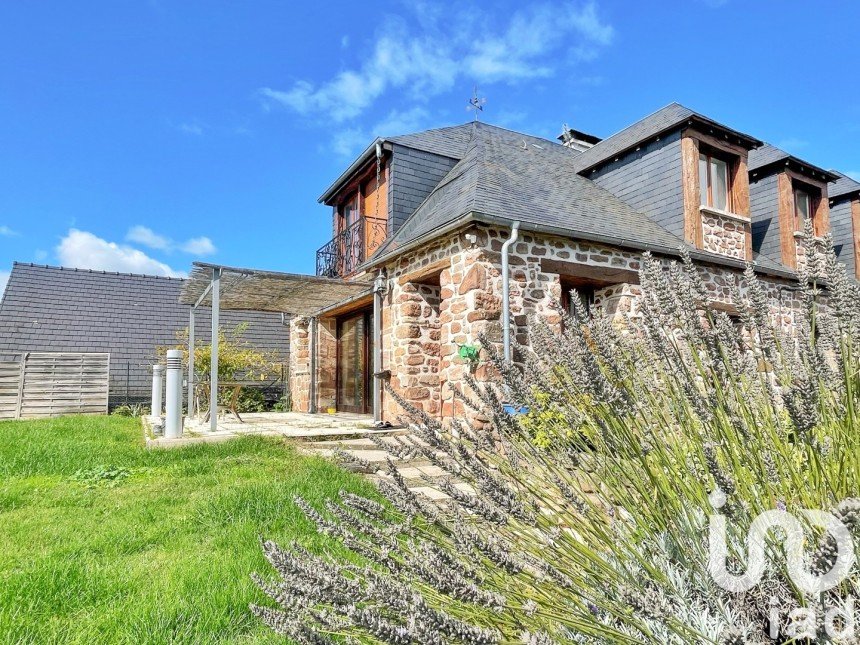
(59, 309)
(769, 155)
(507, 176)
(843, 186)
(663, 120)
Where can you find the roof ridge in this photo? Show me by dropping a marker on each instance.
(95, 271)
(524, 134)
(637, 121)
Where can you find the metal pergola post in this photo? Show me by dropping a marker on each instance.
(213, 365)
(190, 384)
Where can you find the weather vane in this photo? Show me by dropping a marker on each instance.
(476, 104)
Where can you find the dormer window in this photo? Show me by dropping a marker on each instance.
(804, 206)
(715, 181)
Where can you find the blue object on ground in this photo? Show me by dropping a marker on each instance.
(512, 409)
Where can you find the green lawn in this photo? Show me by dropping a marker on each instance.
(160, 556)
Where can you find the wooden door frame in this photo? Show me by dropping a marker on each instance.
(367, 403)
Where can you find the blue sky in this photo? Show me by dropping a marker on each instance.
(139, 136)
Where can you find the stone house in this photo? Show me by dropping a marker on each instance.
(422, 222)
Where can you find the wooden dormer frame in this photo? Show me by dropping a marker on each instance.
(787, 179)
(352, 189)
(691, 142)
(855, 231)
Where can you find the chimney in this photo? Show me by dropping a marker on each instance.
(576, 139)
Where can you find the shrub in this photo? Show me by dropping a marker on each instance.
(600, 534)
(284, 404)
(250, 399)
(134, 410)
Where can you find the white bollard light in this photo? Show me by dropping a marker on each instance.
(157, 390)
(173, 416)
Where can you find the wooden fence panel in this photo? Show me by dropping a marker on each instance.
(10, 378)
(49, 384)
(64, 383)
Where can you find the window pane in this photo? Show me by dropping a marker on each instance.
(703, 180)
(801, 207)
(720, 184)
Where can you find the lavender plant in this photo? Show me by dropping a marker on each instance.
(597, 531)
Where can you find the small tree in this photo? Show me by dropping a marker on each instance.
(238, 360)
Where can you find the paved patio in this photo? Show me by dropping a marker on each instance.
(297, 425)
(319, 434)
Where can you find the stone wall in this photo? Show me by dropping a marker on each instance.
(725, 234)
(445, 295)
(300, 363)
(300, 375)
(620, 302)
(413, 330)
(800, 249)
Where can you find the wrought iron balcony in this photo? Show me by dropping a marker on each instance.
(344, 254)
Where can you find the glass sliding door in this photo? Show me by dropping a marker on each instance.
(353, 363)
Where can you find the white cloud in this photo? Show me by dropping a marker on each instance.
(146, 236)
(192, 127)
(4, 279)
(792, 144)
(5, 231)
(40, 255)
(84, 250)
(351, 140)
(533, 43)
(198, 246)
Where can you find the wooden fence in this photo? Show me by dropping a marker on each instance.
(48, 384)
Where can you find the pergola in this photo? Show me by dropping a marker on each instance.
(222, 287)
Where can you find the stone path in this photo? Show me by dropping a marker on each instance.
(416, 472)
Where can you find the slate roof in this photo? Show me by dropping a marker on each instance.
(59, 309)
(844, 185)
(662, 121)
(506, 176)
(769, 155)
(449, 142)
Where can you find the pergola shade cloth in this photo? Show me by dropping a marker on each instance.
(257, 290)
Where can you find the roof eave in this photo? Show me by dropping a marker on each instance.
(612, 240)
(749, 142)
(841, 197)
(789, 160)
(354, 167)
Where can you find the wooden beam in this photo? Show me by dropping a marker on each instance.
(353, 304)
(821, 217)
(594, 273)
(741, 200)
(787, 245)
(422, 274)
(855, 225)
(714, 142)
(729, 308)
(690, 183)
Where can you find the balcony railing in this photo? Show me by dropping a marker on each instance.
(344, 254)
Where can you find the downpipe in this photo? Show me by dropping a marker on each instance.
(379, 289)
(506, 291)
